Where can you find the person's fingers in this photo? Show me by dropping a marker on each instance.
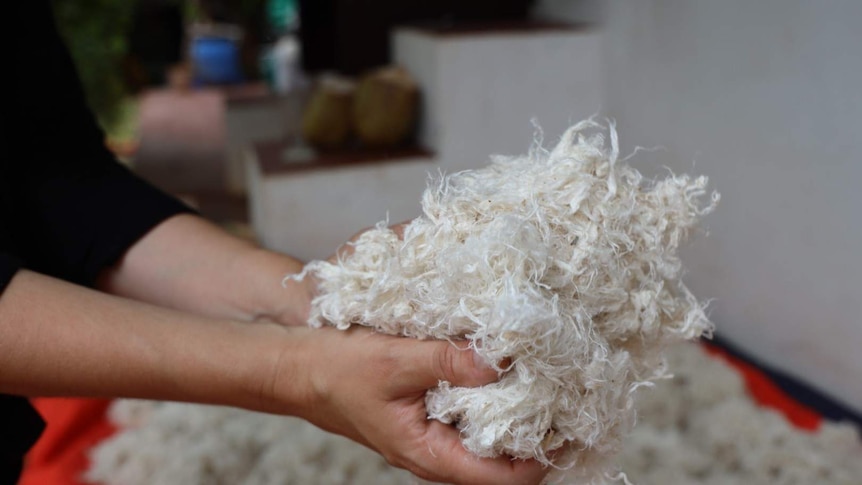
(398, 229)
(347, 249)
(423, 364)
(444, 458)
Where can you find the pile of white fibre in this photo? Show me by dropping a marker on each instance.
(702, 427)
(193, 444)
(563, 261)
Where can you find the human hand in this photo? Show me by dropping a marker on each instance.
(349, 247)
(371, 388)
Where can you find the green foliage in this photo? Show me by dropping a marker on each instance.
(95, 33)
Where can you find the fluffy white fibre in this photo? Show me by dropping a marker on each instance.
(564, 261)
(188, 444)
(699, 427)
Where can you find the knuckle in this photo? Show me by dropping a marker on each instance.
(445, 362)
(389, 360)
(384, 365)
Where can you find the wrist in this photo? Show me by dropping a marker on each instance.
(273, 297)
(280, 380)
(255, 366)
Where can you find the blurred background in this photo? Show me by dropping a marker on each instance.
(298, 122)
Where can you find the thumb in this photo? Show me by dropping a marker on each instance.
(426, 363)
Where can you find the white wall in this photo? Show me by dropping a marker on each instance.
(764, 97)
(480, 91)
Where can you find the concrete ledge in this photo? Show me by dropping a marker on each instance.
(308, 210)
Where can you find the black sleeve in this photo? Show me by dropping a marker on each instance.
(68, 208)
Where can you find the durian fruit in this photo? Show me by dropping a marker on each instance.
(326, 122)
(385, 107)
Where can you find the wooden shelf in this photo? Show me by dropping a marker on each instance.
(270, 156)
(460, 29)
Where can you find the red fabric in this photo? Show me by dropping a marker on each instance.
(769, 395)
(76, 425)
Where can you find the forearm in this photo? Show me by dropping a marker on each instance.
(61, 339)
(189, 264)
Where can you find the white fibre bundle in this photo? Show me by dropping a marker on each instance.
(564, 262)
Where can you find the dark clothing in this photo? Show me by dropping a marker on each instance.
(67, 208)
(20, 425)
